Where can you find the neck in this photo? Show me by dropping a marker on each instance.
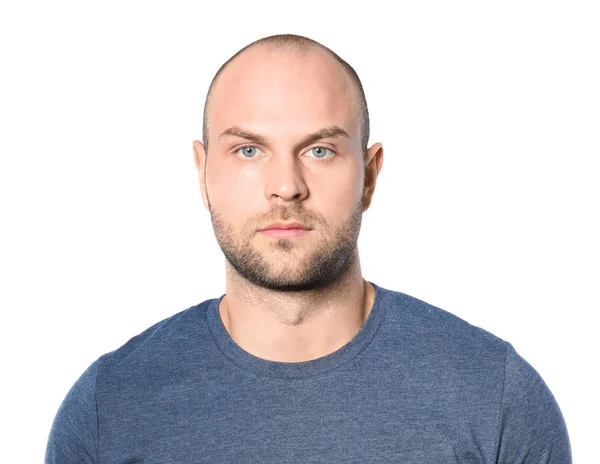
(295, 326)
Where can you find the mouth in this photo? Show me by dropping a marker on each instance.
(285, 233)
(286, 225)
(286, 230)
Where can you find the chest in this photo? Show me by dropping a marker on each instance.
(363, 422)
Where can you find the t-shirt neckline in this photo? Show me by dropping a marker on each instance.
(295, 370)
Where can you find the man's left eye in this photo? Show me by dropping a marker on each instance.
(320, 152)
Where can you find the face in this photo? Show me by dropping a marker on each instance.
(285, 147)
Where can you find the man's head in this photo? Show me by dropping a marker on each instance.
(288, 127)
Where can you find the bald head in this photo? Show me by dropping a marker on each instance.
(296, 49)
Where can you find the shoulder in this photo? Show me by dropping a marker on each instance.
(426, 324)
(156, 344)
(530, 426)
(443, 352)
(76, 428)
(74, 434)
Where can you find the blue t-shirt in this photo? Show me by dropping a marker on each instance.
(415, 385)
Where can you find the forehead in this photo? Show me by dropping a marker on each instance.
(283, 92)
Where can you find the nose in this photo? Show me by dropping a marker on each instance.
(285, 179)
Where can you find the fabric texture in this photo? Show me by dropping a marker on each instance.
(415, 385)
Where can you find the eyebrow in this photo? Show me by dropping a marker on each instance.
(324, 133)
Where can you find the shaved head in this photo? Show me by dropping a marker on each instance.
(296, 48)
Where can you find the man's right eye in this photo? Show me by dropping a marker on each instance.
(248, 151)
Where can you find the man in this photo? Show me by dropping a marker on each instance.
(302, 359)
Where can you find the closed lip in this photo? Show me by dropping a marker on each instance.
(286, 225)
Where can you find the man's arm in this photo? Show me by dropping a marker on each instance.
(531, 427)
(74, 434)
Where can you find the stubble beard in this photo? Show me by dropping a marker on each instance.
(328, 260)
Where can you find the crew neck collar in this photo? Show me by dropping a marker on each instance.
(295, 370)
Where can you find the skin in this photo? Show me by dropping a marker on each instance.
(288, 299)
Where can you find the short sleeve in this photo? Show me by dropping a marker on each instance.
(531, 426)
(74, 433)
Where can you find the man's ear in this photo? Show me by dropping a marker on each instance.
(373, 164)
(200, 160)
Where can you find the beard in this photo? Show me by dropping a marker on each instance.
(280, 268)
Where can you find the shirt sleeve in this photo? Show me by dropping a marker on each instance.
(531, 426)
(74, 433)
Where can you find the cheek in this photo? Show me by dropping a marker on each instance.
(234, 194)
(338, 196)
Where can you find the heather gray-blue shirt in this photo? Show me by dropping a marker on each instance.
(415, 385)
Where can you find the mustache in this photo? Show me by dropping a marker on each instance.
(289, 213)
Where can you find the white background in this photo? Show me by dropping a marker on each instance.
(487, 204)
